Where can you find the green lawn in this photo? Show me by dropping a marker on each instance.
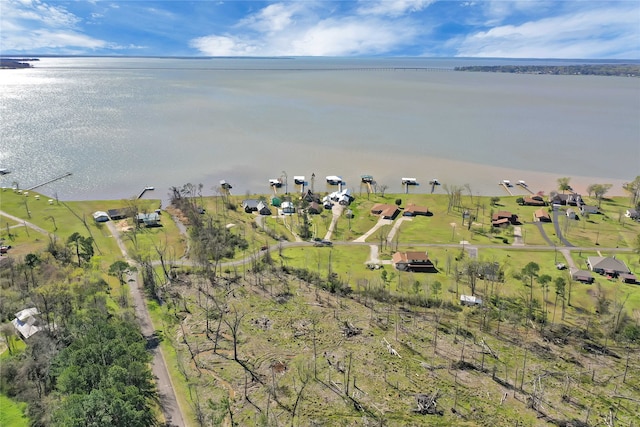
(12, 413)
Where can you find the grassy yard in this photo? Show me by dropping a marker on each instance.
(12, 413)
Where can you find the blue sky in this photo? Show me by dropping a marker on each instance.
(506, 28)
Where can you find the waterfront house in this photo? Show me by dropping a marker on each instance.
(542, 215)
(287, 208)
(149, 219)
(263, 209)
(118, 214)
(413, 261)
(250, 205)
(385, 211)
(314, 208)
(503, 218)
(414, 210)
(535, 200)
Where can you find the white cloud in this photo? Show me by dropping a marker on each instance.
(349, 37)
(33, 25)
(272, 18)
(392, 8)
(602, 33)
(224, 46)
(296, 29)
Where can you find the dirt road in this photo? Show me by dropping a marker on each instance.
(168, 402)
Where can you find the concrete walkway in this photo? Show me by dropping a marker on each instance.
(381, 223)
(396, 227)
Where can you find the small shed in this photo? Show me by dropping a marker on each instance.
(275, 201)
(100, 216)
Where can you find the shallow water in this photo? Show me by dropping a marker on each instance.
(120, 124)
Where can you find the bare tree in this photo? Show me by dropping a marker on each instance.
(234, 328)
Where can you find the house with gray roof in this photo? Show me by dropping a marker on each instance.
(607, 265)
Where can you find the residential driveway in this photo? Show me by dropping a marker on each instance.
(337, 210)
(168, 401)
(381, 222)
(543, 233)
(556, 225)
(396, 227)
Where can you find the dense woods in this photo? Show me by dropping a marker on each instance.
(88, 365)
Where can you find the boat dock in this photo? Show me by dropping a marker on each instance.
(49, 181)
(524, 185)
(144, 191)
(506, 188)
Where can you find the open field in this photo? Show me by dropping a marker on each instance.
(308, 335)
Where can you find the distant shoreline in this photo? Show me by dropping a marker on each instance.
(619, 70)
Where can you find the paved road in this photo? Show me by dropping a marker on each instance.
(168, 402)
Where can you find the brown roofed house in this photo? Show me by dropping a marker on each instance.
(385, 211)
(542, 215)
(502, 218)
(414, 210)
(536, 200)
(413, 261)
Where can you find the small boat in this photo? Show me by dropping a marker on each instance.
(298, 180)
(366, 178)
(522, 183)
(409, 181)
(224, 184)
(334, 180)
(506, 183)
(4, 171)
(434, 181)
(275, 182)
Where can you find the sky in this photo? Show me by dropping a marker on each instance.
(580, 29)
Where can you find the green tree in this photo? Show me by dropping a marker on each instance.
(599, 190)
(563, 184)
(83, 247)
(633, 188)
(495, 200)
(32, 260)
(119, 269)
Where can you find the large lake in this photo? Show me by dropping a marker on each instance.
(120, 124)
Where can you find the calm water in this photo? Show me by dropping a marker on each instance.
(120, 124)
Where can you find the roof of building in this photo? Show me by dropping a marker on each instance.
(26, 323)
(410, 257)
(607, 264)
(542, 213)
(413, 209)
